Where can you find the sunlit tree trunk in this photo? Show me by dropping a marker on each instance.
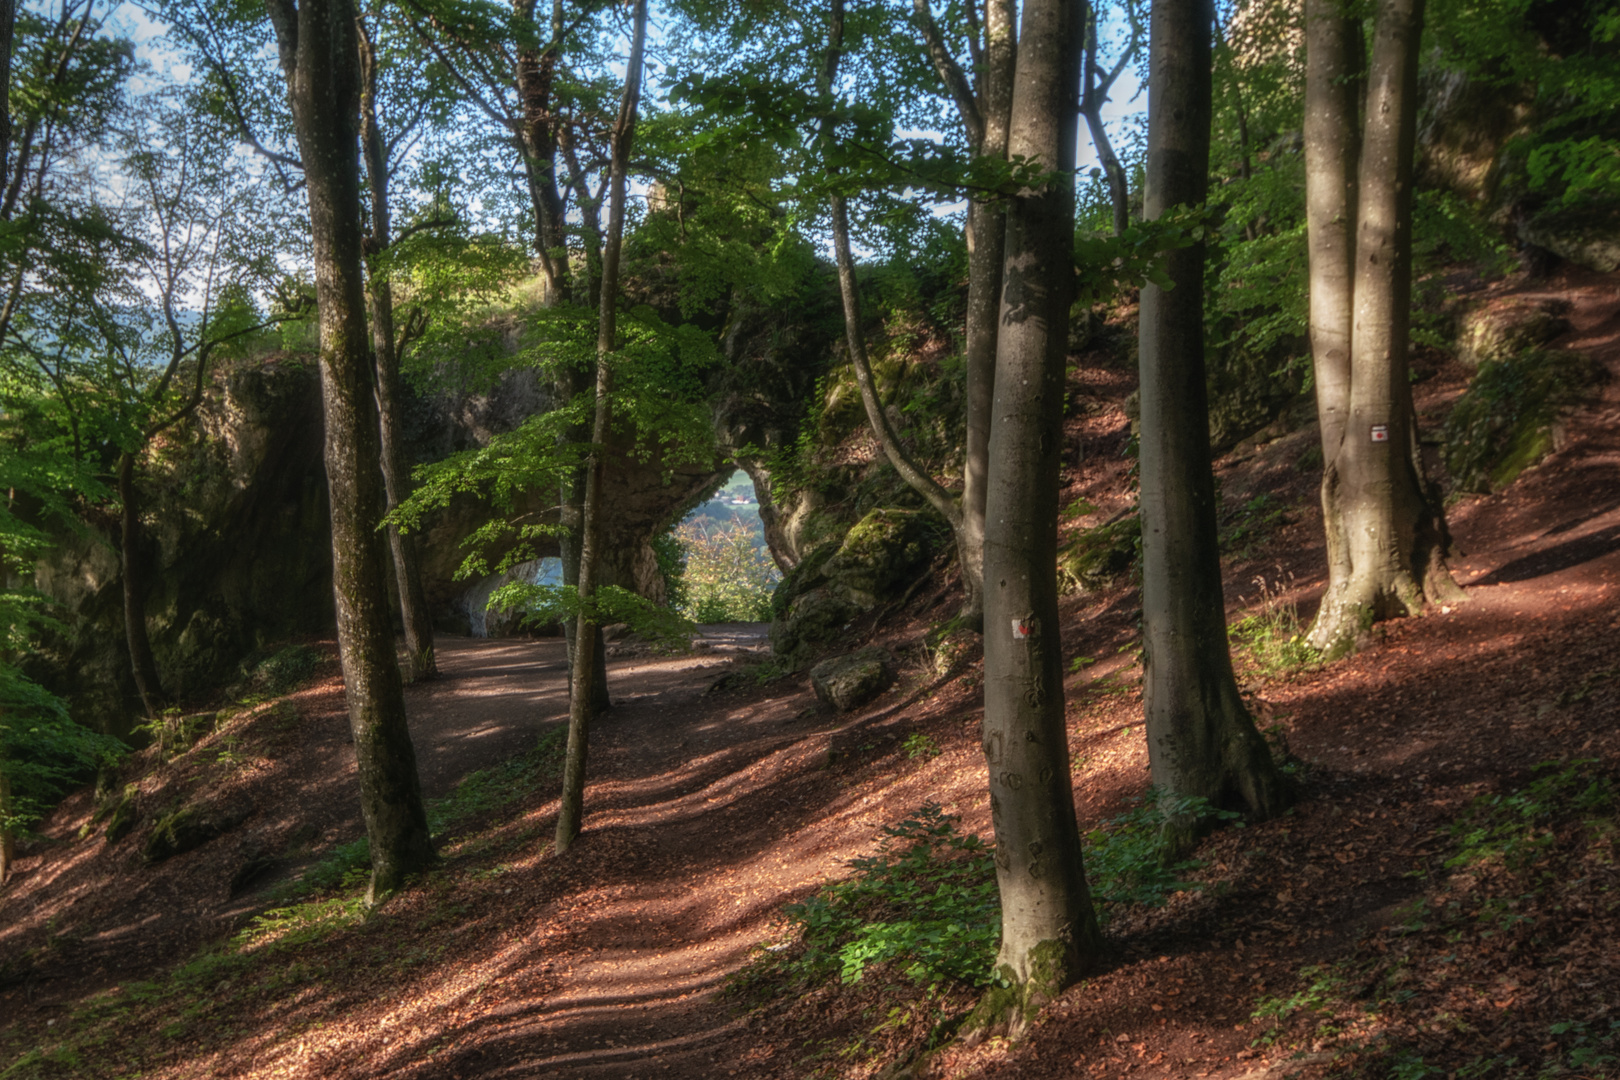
(413, 607)
(142, 664)
(1332, 128)
(1049, 931)
(1393, 528)
(587, 638)
(1201, 740)
(320, 55)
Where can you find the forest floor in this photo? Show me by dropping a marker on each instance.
(1442, 901)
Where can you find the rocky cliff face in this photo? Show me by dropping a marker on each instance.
(238, 541)
(238, 537)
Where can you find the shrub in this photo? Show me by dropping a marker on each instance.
(728, 576)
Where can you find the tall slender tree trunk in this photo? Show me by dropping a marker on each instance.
(537, 138)
(1390, 518)
(413, 607)
(1332, 145)
(986, 242)
(985, 119)
(587, 638)
(141, 662)
(1119, 186)
(1201, 740)
(8, 841)
(319, 55)
(1049, 930)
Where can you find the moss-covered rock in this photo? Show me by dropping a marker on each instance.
(1507, 419)
(1587, 234)
(1499, 332)
(882, 553)
(876, 561)
(123, 815)
(190, 827)
(1098, 556)
(850, 681)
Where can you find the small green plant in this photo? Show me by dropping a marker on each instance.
(1125, 855)
(1271, 637)
(926, 901)
(1322, 988)
(1517, 828)
(1080, 663)
(1247, 527)
(280, 673)
(918, 745)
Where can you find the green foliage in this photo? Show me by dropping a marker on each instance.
(1250, 524)
(282, 672)
(920, 745)
(43, 752)
(548, 605)
(1516, 829)
(729, 576)
(1125, 856)
(1503, 423)
(926, 902)
(1323, 988)
(671, 555)
(1272, 637)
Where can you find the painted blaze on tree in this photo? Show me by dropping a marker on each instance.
(1049, 931)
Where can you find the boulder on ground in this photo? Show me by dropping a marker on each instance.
(850, 681)
(1587, 235)
(877, 561)
(1500, 331)
(1509, 417)
(189, 828)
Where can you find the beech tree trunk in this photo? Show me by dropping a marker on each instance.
(537, 141)
(1201, 740)
(985, 115)
(1332, 145)
(986, 241)
(141, 662)
(319, 56)
(1389, 516)
(413, 606)
(588, 635)
(1049, 932)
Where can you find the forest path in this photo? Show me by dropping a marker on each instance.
(705, 814)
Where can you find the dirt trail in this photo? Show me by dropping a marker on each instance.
(707, 810)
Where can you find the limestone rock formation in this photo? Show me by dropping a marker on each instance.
(850, 681)
(876, 561)
(1498, 331)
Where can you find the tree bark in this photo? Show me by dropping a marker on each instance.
(1390, 515)
(413, 606)
(537, 141)
(587, 638)
(985, 115)
(319, 56)
(1049, 930)
(1332, 145)
(1096, 84)
(1201, 740)
(141, 662)
(986, 239)
(8, 842)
